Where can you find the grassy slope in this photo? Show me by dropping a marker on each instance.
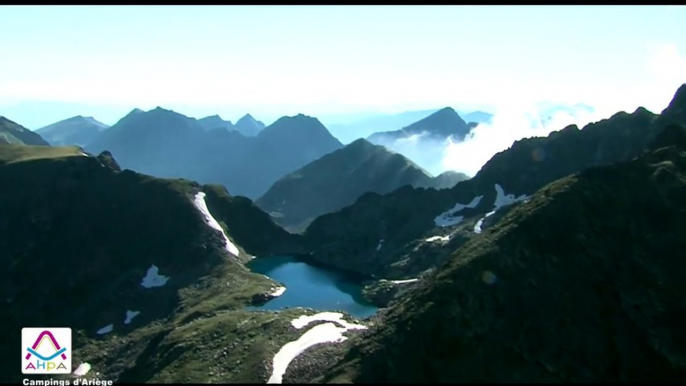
(84, 235)
(14, 134)
(18, 153)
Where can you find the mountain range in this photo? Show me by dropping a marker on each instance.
(363, 128)
(164, 143)
(337, 179)
(247, 125)
(407, 217)
(440, 125)
(581, 283)
(559, 261)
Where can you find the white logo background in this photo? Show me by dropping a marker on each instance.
(46, 349)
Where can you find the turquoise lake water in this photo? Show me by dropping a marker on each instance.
(311, 286)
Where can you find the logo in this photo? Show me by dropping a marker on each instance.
(46, 350)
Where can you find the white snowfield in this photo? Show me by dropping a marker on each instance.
(106, 330)
(279, 291)
(501, 200)
(321, 333)
(443, 239)
(82, 370)
(130, 315)
(212, 222)
(378, 247)
(153, 278)
(337, 317)
(449, 218)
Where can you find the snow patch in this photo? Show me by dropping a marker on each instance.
(106, 330)
(477, 227)
(279, 291)
(443, 239)
(336, 317)
(378, 247)
(130, 315)
(153, 278)
(404, 281)
(212, 222)
(82, 370)
(321, 333)
(502, 199)
(448, 217)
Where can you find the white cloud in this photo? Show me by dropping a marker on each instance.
(508, 125)
(519, 118)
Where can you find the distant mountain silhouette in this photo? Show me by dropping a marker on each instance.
(478, 117)
(216, 122)
(440, 125)
(447, 180)
(164, 143)
(363, 128)
(77, 130)
(14, 133)
(249, 126)
(337, 180)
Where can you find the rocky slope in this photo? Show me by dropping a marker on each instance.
(388, 235)
(14, 133)
(581, 283)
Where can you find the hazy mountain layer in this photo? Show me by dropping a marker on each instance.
(79, 131)
(338, 179)
(164, 143)
(13, 133)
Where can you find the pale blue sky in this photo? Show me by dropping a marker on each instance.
(270, 61)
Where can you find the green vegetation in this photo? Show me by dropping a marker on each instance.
(553, 292)
(85, 233)
(18, 153)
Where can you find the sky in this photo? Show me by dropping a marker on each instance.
(331, 60)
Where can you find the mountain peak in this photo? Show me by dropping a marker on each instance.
(361, 142)
(249, 126)
(444, 122)
(679, 100)
(446, 110)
